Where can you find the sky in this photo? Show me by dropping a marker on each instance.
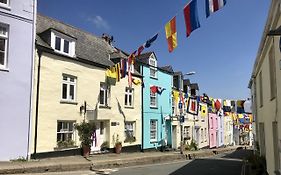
(221, 52)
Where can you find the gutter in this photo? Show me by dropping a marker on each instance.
(37, 102)
(32, 80)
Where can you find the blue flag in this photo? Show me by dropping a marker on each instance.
(150, 41)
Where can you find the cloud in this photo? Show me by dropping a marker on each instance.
(99, 22)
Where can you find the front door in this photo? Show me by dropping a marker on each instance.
(98, 136)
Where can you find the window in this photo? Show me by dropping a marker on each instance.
(65, 131)
(260, 88)
(129, 97)
(153, 67)
(68, 88)
(129, 132)
(272, 73)
(4, 2)
(3, 46)
(186, 132)
(101, 128)
(153, 99)
(153, 130)
(104, 94)
(211, 122)
(63, 44)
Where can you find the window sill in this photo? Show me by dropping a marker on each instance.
(65, 148)
(104, 107)
(129, 107)
(68, 102)
(155, 78)
(5, 6)
(153, 107)
(4, 69)
(153, 141)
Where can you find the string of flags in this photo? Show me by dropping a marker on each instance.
(192, 23)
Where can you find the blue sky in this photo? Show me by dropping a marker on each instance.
(221, 52)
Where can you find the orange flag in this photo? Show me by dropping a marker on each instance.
(171, 34)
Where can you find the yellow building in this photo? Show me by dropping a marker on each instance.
(265, 86)
(70, 86)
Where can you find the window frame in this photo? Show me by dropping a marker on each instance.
(106, 91)
(5, 5)
(153, 95)
(186, 131)
(63, 38)
(68, 83)
(260, 89)
(67, 131)
(272, 73)
(5, 37)
(131, 129)
(152, 67)
(153, 130)
(129, 92)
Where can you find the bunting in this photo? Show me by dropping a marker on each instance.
(171, 34)
(191, 17)
(117, 68)
(123, 68)
(213, 6)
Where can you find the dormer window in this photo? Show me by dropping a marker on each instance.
(4, 2)
(153, 67)
(63, 44)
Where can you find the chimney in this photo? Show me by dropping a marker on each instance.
(107, 38)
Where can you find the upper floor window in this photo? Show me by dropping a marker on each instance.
(104, 94)
(129, 97)
(4, 2)
(3, 46)
(68, 88)
(63, 44)
(153, 99)
(153, 67)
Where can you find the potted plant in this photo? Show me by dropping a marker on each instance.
(117, 144)
(85, 132)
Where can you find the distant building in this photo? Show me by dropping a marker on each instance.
(17, 26)
(265, 85)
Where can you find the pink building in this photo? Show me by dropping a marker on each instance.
(213, 126)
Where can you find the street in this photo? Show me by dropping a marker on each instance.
(221, 164)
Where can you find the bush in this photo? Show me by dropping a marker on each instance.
(192, 146)
(85, 132)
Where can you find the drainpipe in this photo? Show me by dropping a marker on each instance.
(37, 102)
(31, 79)
(142, 118)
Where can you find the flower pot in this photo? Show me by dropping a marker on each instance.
(118, 148)
(86, 150)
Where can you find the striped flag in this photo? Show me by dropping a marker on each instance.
(213, 6)
(191, 17)
(171, 34)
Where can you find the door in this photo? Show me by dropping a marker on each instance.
(98, 136)
(174, 137)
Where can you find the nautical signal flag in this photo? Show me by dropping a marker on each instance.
(191, 17)
(150, 41)
(213, 6)
(171, 34)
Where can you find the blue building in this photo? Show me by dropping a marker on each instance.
(156, 99)
(17, 28)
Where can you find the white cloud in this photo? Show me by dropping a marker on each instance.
(99, 22)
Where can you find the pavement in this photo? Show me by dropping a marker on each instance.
(98, 162)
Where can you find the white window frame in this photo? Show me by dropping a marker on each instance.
(5, 35)
(5, 5)
(186, 131)
(129, 92)
(153, 95)
(67, 130)
(130, 126)
(71, 46)
(68, 83)
(153, 130)
(105, 89)
(153, 67)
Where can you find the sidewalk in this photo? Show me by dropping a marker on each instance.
(102, 161)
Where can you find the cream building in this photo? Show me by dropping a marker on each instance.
(265, 86)
(228, 129)
(70, 86)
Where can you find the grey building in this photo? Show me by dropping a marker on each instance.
(16, 66)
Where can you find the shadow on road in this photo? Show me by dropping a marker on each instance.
(229, 164)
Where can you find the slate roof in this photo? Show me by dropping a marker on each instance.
(87, 46)
(168, 68)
